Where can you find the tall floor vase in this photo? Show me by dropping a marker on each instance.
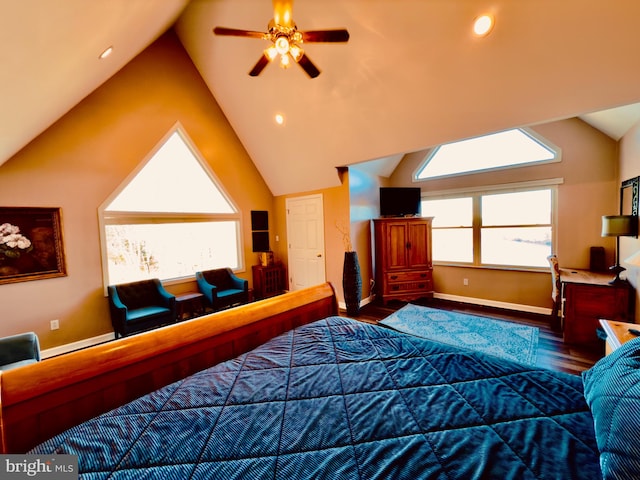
(352, 283)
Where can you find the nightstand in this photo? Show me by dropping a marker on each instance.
(588, 297)
(617, 333)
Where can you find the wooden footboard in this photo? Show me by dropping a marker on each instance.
(40, 400)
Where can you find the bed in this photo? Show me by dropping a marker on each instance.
(326, 396)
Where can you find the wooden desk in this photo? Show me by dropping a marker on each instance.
(588, 297)
(617, 333)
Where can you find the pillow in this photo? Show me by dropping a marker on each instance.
(612, 391)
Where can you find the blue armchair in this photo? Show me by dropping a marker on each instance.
(222, 288)
(18, 350)
(140, 306)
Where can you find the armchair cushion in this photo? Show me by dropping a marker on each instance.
(18, 350)
(222, 288)
(146, 312)
(139, 306)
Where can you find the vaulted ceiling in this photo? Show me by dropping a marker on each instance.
(411, 76)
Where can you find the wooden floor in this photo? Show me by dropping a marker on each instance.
(553, 353)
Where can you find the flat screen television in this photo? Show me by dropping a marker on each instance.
(399, 201)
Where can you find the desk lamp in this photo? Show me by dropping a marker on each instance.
(619, 226)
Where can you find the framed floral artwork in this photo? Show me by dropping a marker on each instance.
(30, 244)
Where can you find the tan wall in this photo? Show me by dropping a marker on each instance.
(79, 161)
(589, 190)
(364, 205)
(336, 208)
(630, 168)
(352, 205)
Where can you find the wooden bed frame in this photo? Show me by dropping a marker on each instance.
(41, 400)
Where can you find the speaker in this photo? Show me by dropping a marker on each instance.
(596, 260)
(259, 220)
(260, 241)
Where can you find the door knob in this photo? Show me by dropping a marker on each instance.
(319, 255)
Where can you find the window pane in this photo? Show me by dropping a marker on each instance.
(503, 149)
(169, 250)
(452, 245)
(520, 208)
(173, 180)
(450, 212)
(528, 246)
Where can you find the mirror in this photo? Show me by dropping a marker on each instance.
(629, 196)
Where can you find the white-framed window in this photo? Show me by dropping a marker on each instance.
(507, 227)
(169, 218)
(517, 147)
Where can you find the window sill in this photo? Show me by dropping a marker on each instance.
(510, 268)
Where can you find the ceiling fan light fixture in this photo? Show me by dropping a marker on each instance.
(282, 45)
(271, 52)
(284, 61)
(296, 52)
(285, 40)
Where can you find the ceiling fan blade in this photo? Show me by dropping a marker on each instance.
(282, 12)
(308, 66)
(337, 35)
(234, 32)
(258, 67)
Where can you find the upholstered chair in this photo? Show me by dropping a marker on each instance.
(222, 288)
(139, 306)
(556, 293)
(18, 350)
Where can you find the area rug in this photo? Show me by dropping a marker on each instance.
(495, 337)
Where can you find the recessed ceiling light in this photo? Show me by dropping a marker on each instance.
(279, 118)
(483, 24)
(106, 53)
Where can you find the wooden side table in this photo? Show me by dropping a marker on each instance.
(189, 304)
(617, 333)
(268, 281)
(588, 297)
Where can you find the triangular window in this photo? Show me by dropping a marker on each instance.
(169, 219)
(511, 148)
(173, 180)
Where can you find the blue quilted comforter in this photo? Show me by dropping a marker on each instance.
(339, 399)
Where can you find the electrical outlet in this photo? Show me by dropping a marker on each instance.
(55, 324)
(465, 281)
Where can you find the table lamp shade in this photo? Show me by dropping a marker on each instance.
(619, 225)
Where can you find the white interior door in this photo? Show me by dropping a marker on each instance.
(305, 234)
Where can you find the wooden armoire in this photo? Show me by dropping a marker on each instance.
(403, 269)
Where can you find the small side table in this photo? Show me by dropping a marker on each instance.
(190, 304)
(617, 333)
(268, 281)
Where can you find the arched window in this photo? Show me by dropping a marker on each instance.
(169, 219)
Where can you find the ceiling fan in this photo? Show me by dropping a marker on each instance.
(286, 40)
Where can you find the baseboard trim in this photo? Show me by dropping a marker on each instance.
(70, 347)
(493, 303)
(88, 342)
(363, 302)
